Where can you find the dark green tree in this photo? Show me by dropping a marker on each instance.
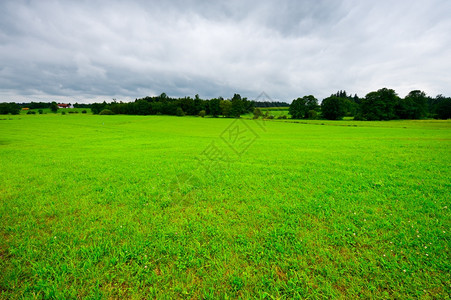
(300, 107)
(443, 108)
(9, 108)
(351, 102)
(333, 108)
(312, 114)
(237, 106)
(248, 105)
(226, 108)
(163, 97)
(198, 104)
(257, 113)
(156, 108)
(4, 108)
(215, 108)
(179, 112)
(142, 107)
(311, 103)
(413, 106)
(54, 107)
(187, 105)
(378, 105)
(103, 112)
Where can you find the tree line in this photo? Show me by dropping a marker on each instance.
(15, 108)
(383, 104)
(164, 105)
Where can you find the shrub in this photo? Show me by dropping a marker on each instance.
(282, 117)
(40, 111)
(83, 111)
(63, 112)
(31, 112)
(106, 112)
(202, 113)
(257, 113)
(179, 112)
(312, 114)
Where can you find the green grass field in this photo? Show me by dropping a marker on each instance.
(103, 207)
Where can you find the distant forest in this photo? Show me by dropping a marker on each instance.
(383, 104)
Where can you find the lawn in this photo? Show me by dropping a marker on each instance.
(182, 207)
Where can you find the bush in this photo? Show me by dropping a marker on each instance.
(257, 113)
(179, 112)
(106, 112)
(31, 112)
(71, 112)
(359, 117)
(63, 112)
(83, 111)
(40, 111)
(312, 114)
(282, 117)
(202, 113)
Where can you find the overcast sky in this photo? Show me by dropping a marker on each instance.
(99, 50)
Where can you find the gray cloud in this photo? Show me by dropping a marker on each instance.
(98, 50)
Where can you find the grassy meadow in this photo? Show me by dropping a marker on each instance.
(104, 207)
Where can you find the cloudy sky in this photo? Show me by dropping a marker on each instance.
(99, 50)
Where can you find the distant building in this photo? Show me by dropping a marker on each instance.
(63, 105)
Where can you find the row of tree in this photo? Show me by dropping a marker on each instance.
(383, 104)
(164, 105)
(9, 108)
(15, 108)
(271, 104)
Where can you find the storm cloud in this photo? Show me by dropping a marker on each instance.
(98, 50)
